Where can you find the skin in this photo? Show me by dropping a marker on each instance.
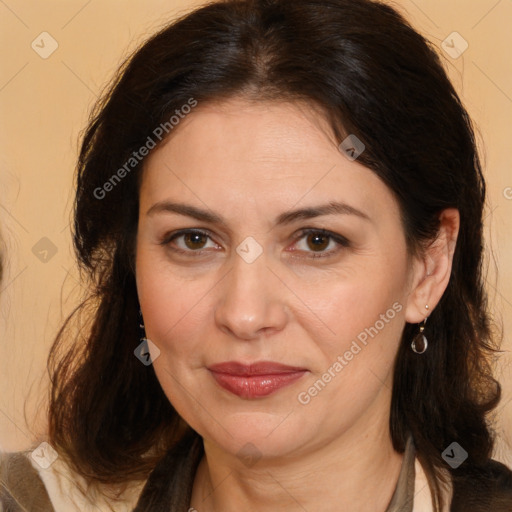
(248, 163)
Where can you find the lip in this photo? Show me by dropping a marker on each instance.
(255, 380)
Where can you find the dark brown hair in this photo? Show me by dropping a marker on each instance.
(373, 76)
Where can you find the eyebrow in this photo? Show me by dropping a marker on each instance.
(331, 208)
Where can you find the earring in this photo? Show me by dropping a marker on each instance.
(420, 343)
(142, 330)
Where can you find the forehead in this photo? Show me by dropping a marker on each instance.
(272, 153)
(248, 130)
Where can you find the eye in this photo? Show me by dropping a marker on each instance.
(316, 243)
(189, 241)
(320, 243)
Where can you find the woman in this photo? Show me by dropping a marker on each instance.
(279, 205)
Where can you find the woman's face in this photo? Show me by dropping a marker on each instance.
(233, 267)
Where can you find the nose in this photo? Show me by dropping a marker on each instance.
(251, 301)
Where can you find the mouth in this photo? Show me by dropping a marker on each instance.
(254, 380)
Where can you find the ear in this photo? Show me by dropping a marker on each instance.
(431, 271)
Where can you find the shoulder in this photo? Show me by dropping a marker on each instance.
(43, 482)
(21, 486)
(482, 489)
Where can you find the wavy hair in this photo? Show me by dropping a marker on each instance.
(371, 74)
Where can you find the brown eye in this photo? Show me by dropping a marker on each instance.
(189, 241)
(195, 240)
(317, 241)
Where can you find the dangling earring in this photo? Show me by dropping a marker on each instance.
(419, 342)
(142, 330)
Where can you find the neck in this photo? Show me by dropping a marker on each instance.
(357, 471)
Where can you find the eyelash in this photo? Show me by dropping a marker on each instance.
(342, 241)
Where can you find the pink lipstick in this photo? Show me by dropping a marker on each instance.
(254, 380)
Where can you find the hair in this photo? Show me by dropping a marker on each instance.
(370, 74)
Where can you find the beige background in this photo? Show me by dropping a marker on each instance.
(44, 105)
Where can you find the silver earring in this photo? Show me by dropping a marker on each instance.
(419, 342)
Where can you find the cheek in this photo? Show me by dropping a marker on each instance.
(168, 306)
(355, 363)
(175, 307)
(173, 313)
(363, 302)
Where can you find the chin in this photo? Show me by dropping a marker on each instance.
(257, 435)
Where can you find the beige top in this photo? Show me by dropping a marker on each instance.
(412, 493)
